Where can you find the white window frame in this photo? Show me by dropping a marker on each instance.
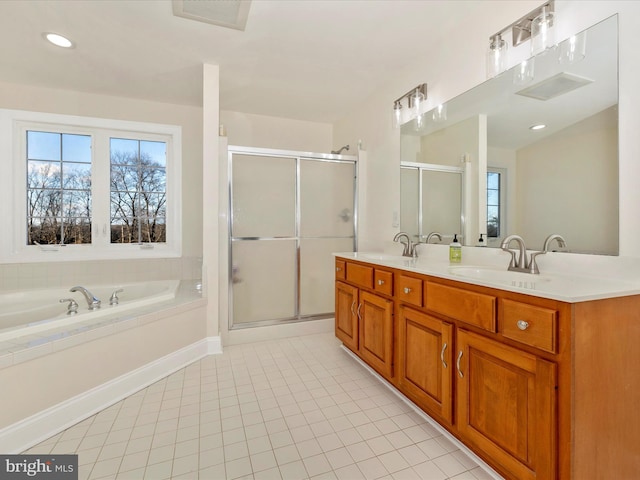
(13, 187)
(495, 241)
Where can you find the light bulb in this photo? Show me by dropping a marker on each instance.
(542, 32)
(416, 99)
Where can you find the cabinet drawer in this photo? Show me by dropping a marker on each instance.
(340, 269)
(470, 307)
(360, 275)
(383, 282)
(409, 290)
(529, 324)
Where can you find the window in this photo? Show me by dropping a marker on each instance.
(99, 188)
(138, 191)
(496, 223)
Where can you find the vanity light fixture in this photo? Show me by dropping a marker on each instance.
(415, 98)
(536, 25)
(573, 49)
(524, 72)
(58, 40)
(439, 113)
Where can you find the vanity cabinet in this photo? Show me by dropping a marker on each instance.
(425, 346)
(364, 314)
(506, 405)
(538, 388)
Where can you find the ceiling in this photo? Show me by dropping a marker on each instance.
(304, 59)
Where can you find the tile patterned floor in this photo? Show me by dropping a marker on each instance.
(284, 409)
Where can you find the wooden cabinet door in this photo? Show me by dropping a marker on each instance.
(346, 319)
(376, 332)
(506, 406)
(425, 366)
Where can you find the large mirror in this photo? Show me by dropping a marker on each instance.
(562, 178)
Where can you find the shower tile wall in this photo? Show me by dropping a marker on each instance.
(46, 274)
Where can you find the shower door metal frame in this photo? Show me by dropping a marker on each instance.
(299, 157)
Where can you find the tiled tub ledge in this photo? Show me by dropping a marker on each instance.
(23, 348)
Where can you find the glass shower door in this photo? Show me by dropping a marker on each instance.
(263, 234)
(288, 215)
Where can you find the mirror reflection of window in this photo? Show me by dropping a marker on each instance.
(496, 217)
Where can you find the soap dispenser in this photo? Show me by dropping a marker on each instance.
(455, 250)
(481, 242)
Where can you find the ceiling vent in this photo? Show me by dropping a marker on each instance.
(225, 13)
(554, 86)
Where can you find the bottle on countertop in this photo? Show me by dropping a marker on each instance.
(455, 250)
(481, 242)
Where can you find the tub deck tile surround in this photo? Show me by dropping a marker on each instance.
(281, 409)
(28, 347)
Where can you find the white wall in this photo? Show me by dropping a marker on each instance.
(247, 130)
(457, 64)
(572, 170)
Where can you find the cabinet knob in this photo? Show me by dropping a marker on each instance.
(522, 325)
(380, 282)
(338, 269)
(407, 290)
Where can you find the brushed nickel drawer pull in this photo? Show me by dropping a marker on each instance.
(380, 282)
(458, 364)
(522, 325)
(407, 290)
(444, 347)
(359, 306)
(353, 305)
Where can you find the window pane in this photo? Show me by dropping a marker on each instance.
(154, 152)
(43, 146)
(493, 197)
(124, 152)
(43, 175)
(138, 191)
(493, 180)
(76, 175)
(76, 148)
(77, 230)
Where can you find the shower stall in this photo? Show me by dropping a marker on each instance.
(288, 212)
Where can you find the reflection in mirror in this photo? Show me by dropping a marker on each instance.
(562, 178)
(423, 187)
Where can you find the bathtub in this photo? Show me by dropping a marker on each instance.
(33, 311)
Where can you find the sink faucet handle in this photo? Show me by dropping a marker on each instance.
(113, 299)
(72, 308)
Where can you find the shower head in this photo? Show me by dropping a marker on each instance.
(337, 152)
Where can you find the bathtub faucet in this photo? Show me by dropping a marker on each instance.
(92, 301)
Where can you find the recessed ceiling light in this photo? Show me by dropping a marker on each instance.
(58, 40)
(537, 127)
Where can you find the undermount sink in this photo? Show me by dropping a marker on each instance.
(502, 276)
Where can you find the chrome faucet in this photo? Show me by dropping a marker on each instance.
(545, 248)
(519, 265)
(92, 301)
(113, 299)
(409, 249)
(433, 234)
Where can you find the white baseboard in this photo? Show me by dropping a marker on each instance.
(492, 473)
(32, 430)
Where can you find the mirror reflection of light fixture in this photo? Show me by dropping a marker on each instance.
(439, 113)
(573, 49)
(496, 56)
(524, 72)
(415, 98)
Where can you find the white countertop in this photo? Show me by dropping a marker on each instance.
(565, 286)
